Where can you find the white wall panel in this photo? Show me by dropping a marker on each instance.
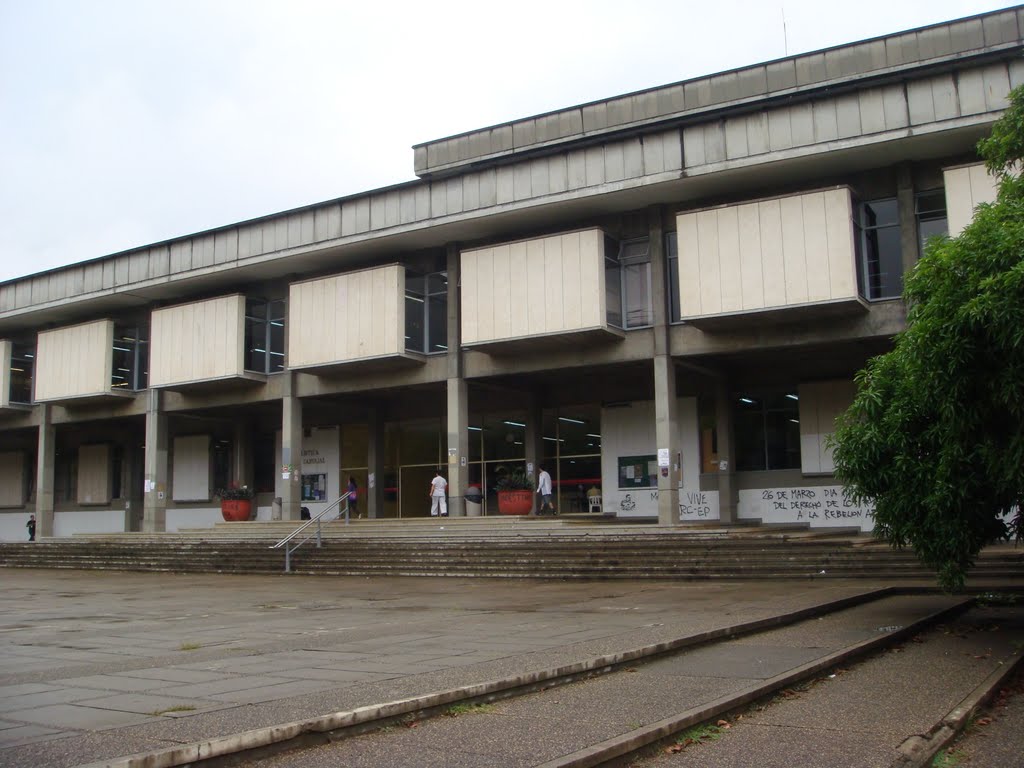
(198, 341)
(191, 468)
(179, 518)
(764, 254)
(88, 521)
(94, 474)
(353, 316)
(5, 373)
(966, 187)
(74, 361)
(12, 479)
(532, 287)
(821, 402)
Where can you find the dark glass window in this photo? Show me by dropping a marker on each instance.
(767, 429)
(879, 252)
(116, 472)
(426, 312)
(628, 283)
(264, 462)
(635, 258)
(130, 364)
(264, 335)
(930, 209)
(612, 282)
(22, 367)
(221, 450)
(672, 275)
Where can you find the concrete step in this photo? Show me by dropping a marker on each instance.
(494, 547)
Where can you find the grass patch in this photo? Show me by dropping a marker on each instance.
(189, 647)
(179, 708)
(469, 709)
(700, 733)
(948, 758)
(997, 598)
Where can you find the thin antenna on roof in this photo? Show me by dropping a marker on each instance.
(785, 39)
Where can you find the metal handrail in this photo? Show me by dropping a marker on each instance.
(286, 541)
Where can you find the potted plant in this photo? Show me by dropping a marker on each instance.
(236, 502)
(515, 493)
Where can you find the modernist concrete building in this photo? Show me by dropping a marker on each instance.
(662, 297)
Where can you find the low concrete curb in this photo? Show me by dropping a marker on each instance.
(919, 751)
(364, 718)
(627, 743)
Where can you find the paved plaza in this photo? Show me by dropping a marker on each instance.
(101, 664)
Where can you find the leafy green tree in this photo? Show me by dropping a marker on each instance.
(935, 436)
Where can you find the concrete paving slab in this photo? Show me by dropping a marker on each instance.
(215, 688)
(111, 683)
(154, 704)
(174, 675)
(8, 691)
(70, 716)
(25, 701)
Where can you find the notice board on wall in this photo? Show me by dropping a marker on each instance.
(638, 471)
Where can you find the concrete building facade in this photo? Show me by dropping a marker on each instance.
(661, 298)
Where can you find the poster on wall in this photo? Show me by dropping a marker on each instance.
(314, 487)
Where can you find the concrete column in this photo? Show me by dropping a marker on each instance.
(457, 468)
(242, 468)
(666, 401)
(458, 446)
(375, 463)
(46, 456)
(666, 428)
(291, 451)
(535, 446)
(910, 243)
(727, 492)
(154, 500)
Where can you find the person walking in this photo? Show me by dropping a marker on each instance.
(544, 489)
(353, 497)
(438, 489)
(31, 525)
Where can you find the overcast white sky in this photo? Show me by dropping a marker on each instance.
(126, 122)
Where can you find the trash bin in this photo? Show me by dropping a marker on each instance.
(474, 499)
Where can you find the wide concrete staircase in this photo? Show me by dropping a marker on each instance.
(505, 548)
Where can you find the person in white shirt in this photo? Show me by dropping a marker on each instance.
(438, 488)
(544, 489)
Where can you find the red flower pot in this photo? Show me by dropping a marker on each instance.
(236, 510)
(515, 502)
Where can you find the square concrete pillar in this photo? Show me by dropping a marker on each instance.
(727, 491)
(46, 450)
(666, 431)
(375, 464)
(458, 446)
(291, 452)
(535, 446)
(242, 460)
(154, 497)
